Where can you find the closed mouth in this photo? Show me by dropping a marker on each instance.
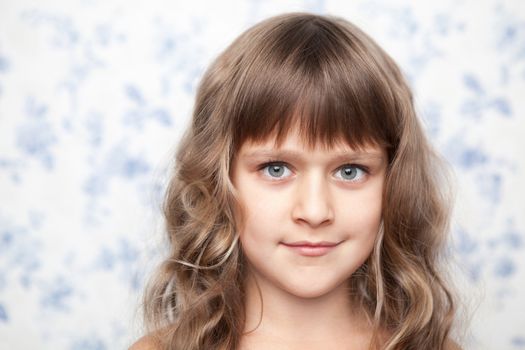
(311, 249)
(311, 244)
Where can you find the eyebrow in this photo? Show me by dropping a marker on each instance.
(337, 156)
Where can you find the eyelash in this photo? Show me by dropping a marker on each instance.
(281, 163)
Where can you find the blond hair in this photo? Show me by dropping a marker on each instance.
(325, 76)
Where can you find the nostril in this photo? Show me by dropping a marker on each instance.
(314, 218)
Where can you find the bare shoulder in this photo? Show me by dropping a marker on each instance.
(451, 345)
(147, 342)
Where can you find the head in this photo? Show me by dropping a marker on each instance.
(324, 84)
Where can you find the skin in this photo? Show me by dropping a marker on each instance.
(305, 304)
(312, 195)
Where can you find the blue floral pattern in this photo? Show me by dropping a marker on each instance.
(94, 96)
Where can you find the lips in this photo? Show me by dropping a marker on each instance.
(311, 249)
(311, 244)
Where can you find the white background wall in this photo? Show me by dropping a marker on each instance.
(94, 95)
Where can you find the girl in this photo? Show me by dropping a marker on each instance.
(306, 208)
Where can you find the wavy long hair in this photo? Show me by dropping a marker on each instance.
(325, 76)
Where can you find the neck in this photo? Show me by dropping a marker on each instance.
(287, 318)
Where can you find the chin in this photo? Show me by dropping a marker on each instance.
(310, 292)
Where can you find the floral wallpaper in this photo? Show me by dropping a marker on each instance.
(95, 94)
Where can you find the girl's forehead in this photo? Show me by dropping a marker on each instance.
(293, 140)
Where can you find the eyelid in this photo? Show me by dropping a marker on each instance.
(273, 162)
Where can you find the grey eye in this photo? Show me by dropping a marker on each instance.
(351, 172)
(276, 170)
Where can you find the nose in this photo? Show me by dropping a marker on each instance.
(313, 204)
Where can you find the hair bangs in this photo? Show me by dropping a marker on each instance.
(323, 88)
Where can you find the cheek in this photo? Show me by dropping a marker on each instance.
(258, 209)
(263, 215)
(261, 202)
(260, 234)
(363, 216)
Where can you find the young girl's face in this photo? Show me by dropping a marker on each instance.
(311, 216)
